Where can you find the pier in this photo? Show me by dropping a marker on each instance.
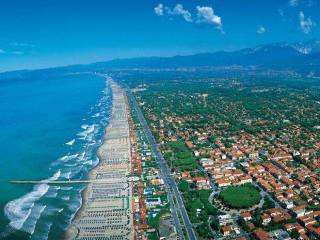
(53, 182)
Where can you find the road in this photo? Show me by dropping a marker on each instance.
(171, 186)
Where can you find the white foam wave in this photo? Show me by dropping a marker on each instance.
(71, 164)
(88, 131)
(66, 175)
(19, 210)
(66, 198)
(88, 162)
(53, 191)
(24, 212)
(68, 157)
(55, 176)
(70, 143)
(75, 206)
(81, 157)
(84, 126)
(36, 212)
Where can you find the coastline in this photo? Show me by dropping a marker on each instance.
(114, 154)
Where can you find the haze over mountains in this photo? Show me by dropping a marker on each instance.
(301, 57)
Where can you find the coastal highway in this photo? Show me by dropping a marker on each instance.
(172, 188)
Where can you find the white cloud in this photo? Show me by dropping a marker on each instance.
(306, 24)
(179, 10)
(293, 3)
(2, 51)
(159, 9)
(206, 15)
(261, 30)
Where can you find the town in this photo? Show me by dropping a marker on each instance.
(245, 157)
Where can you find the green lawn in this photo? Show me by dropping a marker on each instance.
(197, 199)
(181, 157)
(240, 196)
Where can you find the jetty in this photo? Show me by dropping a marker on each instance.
(56, 182)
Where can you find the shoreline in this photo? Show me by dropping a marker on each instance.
(84, 192)
(115, 146)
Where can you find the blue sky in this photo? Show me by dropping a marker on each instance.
(44, 33)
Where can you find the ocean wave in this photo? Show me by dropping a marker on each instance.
(66, 198)
(44, 232)
(68, 157)
(53, 191)
(81, 157)
(88, 162)
(52, 211)
(30, 225)
(71, 164)
(66, 175)
(55, 176)
(88, 131)
(70, 143)
(24, 213)
(75, 206)
(84, 126)
(19, 210)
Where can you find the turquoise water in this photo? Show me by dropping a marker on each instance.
(50, 129)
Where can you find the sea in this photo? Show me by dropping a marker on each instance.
(51, 128)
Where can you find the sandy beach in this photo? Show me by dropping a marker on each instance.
(106, 205)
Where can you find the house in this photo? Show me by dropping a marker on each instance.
(288, 204)
(151, 202)
(186, 175)
(202, 182)
(275, 212)
(260, 234)
(206, 162)
(241, 238)
(189, 144)
(225, 219)
(314, 231)
(223, 182)
(246, 216)
(245, 179)
(251, 226)
(226, 230)
(299, 211)
(280, 234)
(305, 221)
(290, 226)
(266, 219)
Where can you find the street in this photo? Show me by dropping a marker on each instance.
(169, 182)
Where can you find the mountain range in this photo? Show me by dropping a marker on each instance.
(301, 57)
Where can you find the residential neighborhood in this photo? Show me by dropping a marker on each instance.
(259, 172)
